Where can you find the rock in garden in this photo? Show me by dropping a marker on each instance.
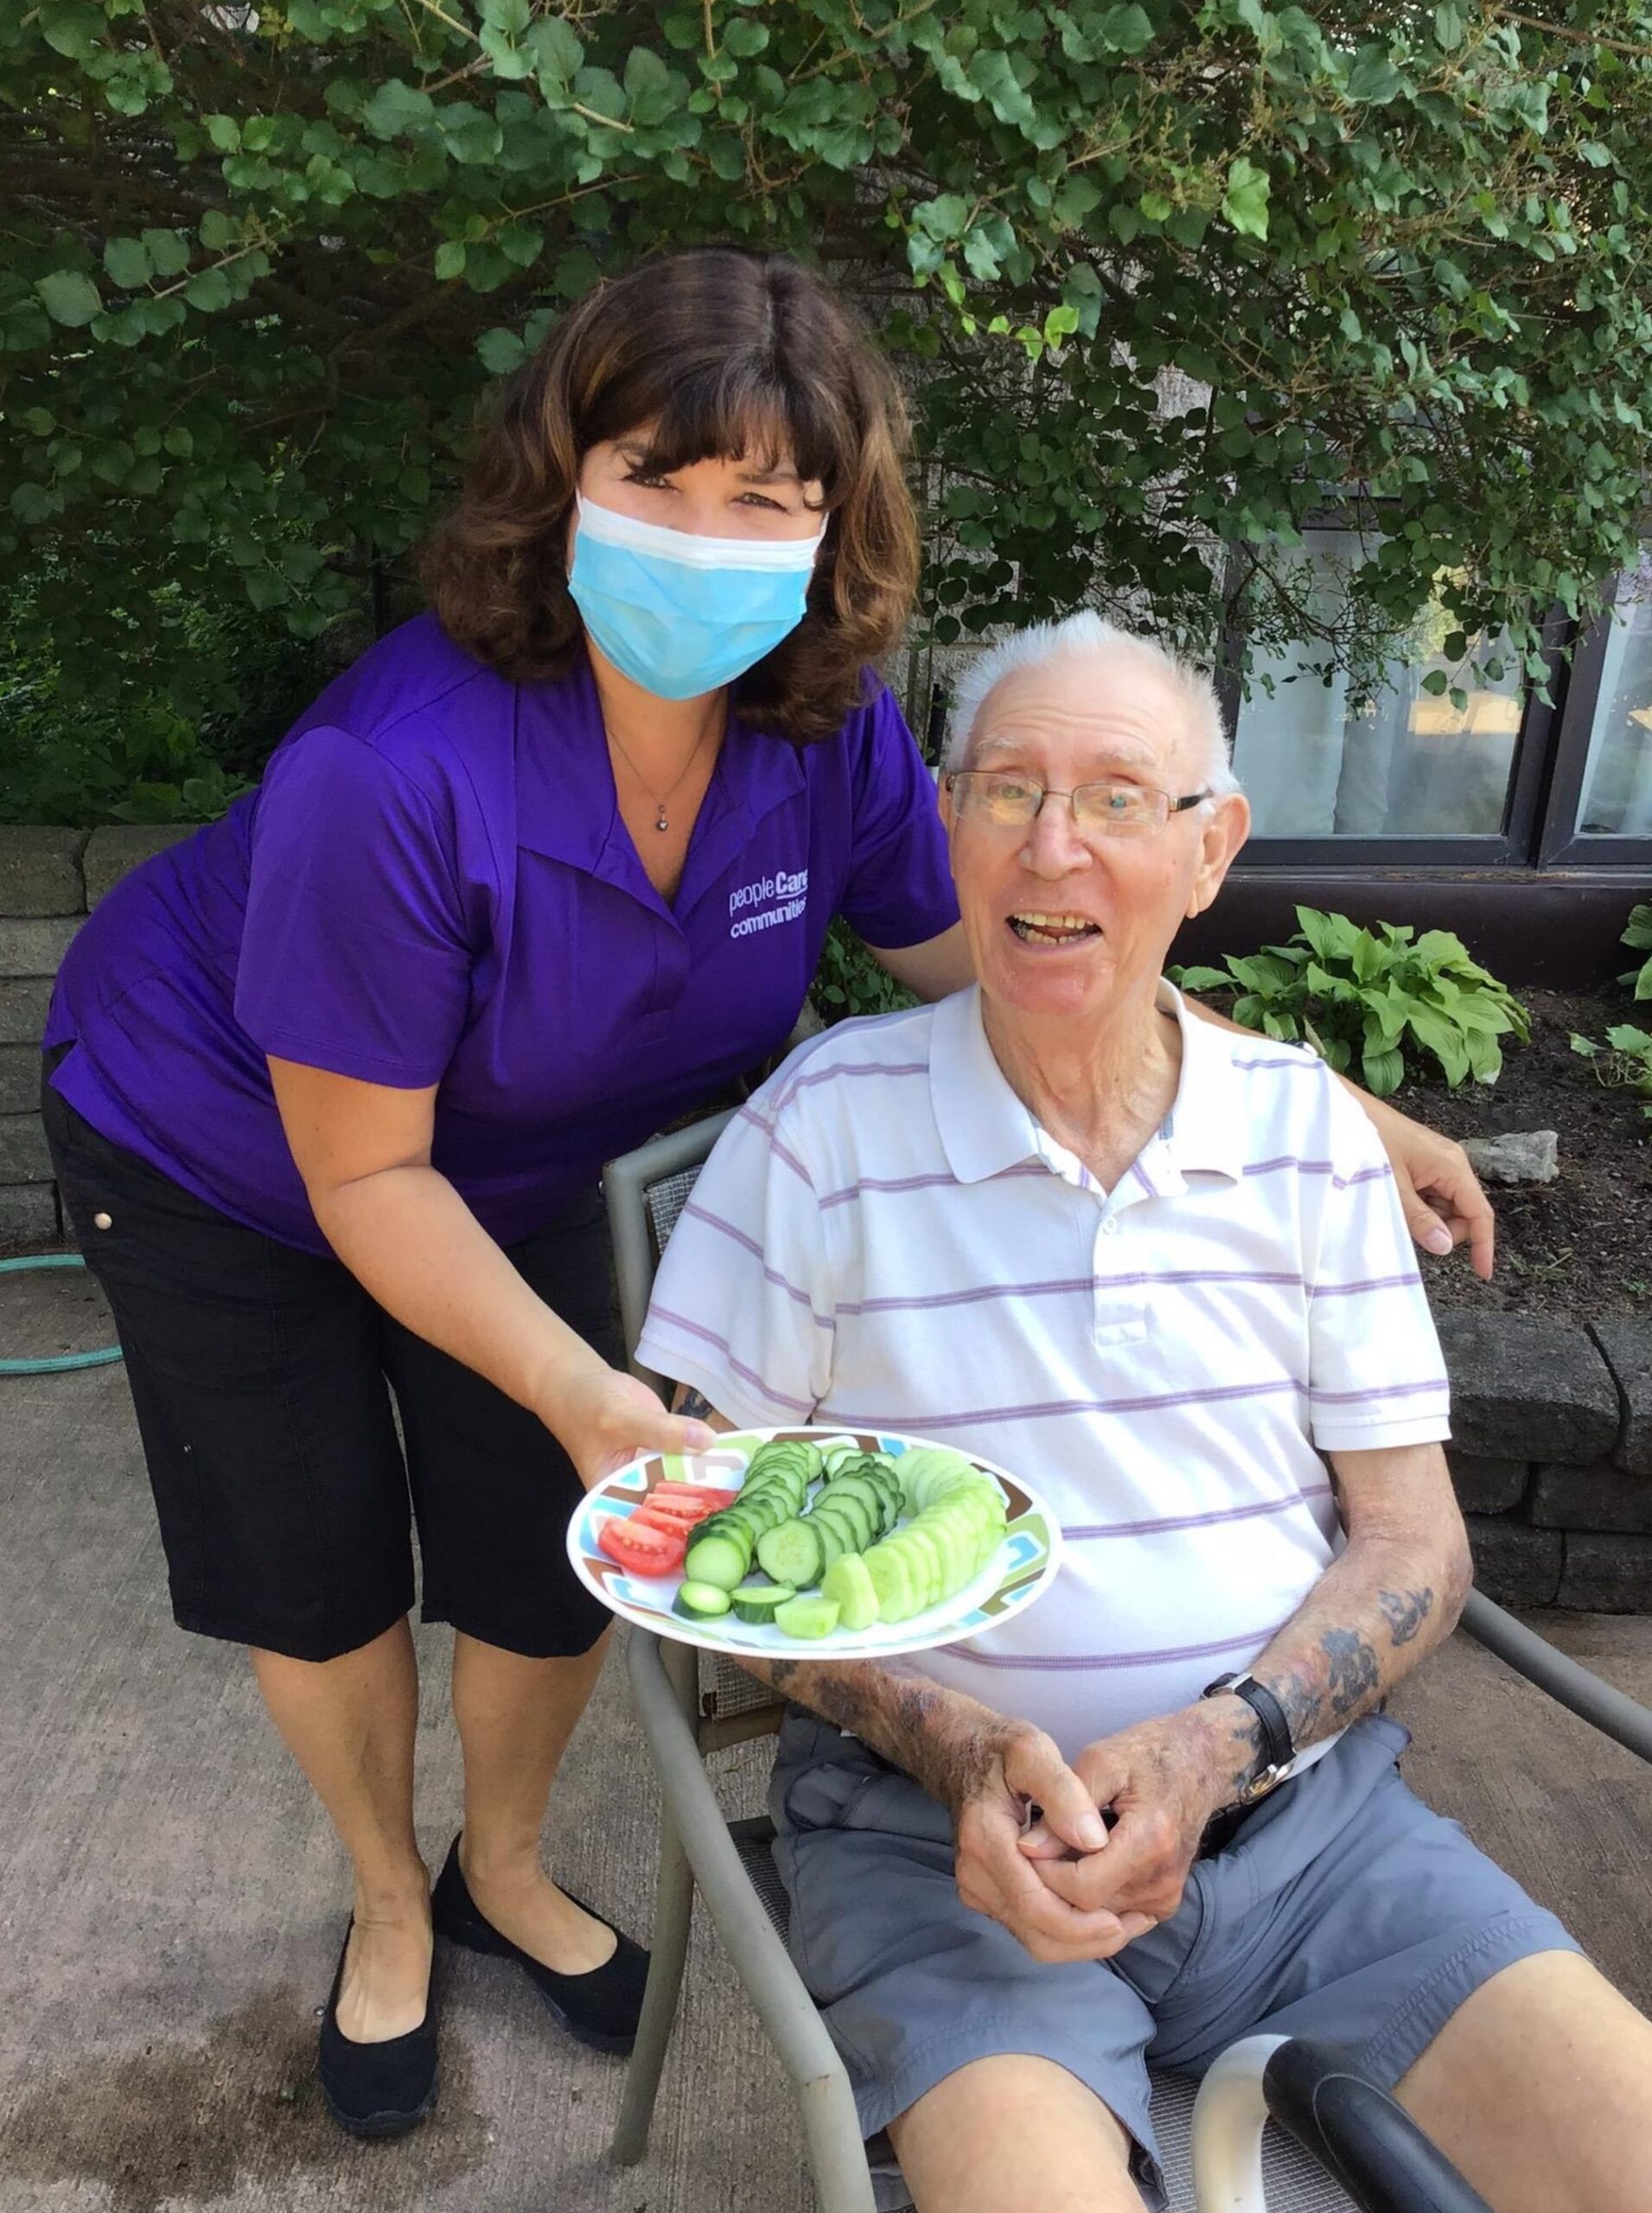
(1523, 1156)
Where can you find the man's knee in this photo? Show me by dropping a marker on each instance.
(1014, 2133)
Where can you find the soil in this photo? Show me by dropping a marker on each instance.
(1580, 1248)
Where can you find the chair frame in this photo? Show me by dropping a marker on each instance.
(1385, 2161)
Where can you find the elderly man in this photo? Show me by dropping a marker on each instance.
(1158, 1269)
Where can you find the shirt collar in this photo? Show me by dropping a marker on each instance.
(986, 1129)
(567, 807)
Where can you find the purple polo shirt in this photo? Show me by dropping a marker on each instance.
(433, 885)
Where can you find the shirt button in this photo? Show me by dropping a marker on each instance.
(1110, 1227)
(103, 1221)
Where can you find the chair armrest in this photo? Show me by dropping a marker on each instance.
(764, 1966)
(1611, 1710)
(1359, 2136)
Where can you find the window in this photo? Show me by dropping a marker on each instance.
(1327, 760)
(1616, 795)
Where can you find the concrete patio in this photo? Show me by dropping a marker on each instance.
(171, 1901)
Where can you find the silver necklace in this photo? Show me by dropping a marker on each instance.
(661, 820)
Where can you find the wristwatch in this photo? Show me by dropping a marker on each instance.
(1278, 1750)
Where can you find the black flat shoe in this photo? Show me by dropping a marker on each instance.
(601, 2007)
(376, 2089)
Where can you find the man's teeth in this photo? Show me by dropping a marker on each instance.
(1049, 929)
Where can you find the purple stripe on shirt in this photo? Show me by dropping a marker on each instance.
(1299, 1060)
(658, 1313)
(1412, 1281)
(1317, 1168)
(770, 1275)
(921, 1425)
(882, 1184)
(1051, 1662)
(849, 1068)
(1380, 1391)
(1086, 1533)
(1144, 1180)
(1059, 1286)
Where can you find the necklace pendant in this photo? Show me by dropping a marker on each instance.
(662, 824)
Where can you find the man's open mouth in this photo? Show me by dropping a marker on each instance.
(1053, 930)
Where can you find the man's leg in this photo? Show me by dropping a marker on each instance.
(1014, 2134)
(1540, 2088)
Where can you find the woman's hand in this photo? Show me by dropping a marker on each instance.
(1440, 1191)
(602, 1418)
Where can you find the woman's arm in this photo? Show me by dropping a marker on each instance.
(405, 1233)
(935, 969)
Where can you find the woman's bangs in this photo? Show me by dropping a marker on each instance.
(762, 421)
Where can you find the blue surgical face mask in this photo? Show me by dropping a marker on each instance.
(681, 615)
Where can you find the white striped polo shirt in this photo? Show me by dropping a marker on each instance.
(885, 1237)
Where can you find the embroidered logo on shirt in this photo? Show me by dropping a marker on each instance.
(790, 895)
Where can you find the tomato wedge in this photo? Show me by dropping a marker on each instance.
(640, 1550)
(683, 1504)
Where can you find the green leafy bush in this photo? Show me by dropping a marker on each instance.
(1625, 1058)
(1378, 997)
(849, 981)
(1162, 279)
(1638, 938)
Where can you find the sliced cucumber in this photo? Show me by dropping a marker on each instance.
(700, 1602)
(807, 1617)
(848, 1583)
(793, 1554)
(718, 1559)
(757, 1603)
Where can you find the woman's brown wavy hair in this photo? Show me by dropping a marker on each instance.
(726, 356)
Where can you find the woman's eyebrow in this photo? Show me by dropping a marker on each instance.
(770, 476)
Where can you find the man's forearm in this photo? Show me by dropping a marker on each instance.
(1372, 1615)
(944, 1740)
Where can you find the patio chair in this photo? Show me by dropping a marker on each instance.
(1341, 2141)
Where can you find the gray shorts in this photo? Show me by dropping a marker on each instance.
(1344, 1909)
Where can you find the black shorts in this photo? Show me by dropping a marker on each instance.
(262, 1378)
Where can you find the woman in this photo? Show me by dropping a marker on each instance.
(331, 1084)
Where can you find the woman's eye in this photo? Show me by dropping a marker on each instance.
(649, 482)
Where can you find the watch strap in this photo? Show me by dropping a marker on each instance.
(1278, 1749)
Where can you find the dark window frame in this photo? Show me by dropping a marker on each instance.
(1560, 844)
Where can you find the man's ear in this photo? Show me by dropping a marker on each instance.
(1224, 831)
(943, 794)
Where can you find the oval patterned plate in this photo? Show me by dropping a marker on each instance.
(1022, 1571)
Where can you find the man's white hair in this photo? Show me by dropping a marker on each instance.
(1090, 635)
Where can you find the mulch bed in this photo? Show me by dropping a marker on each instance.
(1580, 1248)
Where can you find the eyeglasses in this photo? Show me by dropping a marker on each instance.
(1008, 802)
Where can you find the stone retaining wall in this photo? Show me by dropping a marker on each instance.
(1552, 1454)
(48, 881)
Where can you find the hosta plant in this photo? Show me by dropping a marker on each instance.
(1625, 1058)
(1377, 1002)
(1638, 938)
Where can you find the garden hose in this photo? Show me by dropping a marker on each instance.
(54, 1366)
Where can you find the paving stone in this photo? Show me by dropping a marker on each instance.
(19, 1079)
(1604, 1496)
(1627, 1344)
(24, 1156)
(1607, 1575)
(1487, 1486)
(24, 1002)
(28, 1213)
(1521, 1384)
(113, 853)
(35, 946)
(40, 871)
(1513, 1565)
